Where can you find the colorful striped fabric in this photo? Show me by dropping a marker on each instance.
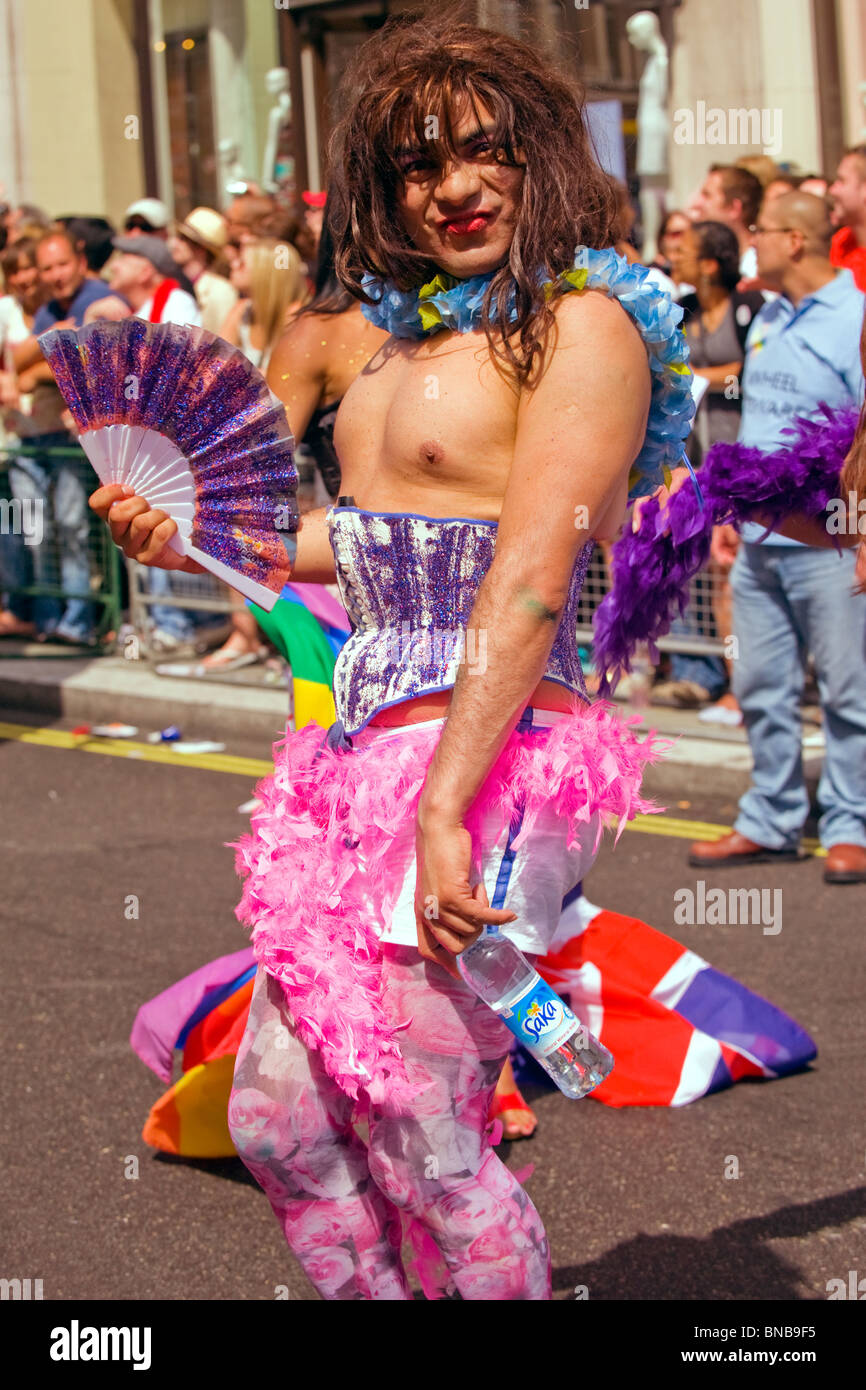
(308, 626)
(204, 1014)
(678, 1028)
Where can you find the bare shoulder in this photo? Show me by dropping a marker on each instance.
(594, 352)
(302, 348)
(592, 319)
(306, 331)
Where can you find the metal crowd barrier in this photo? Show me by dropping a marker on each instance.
(19, 539)
(702, 639)
(204, 594)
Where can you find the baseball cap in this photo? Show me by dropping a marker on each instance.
(152, 248)
(150, 210)
(314, 200)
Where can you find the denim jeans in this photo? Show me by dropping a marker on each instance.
(56, 487)
(180, 623)
(708, 671)
(790, 601)
(16, 572)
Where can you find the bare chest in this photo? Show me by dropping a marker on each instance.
(428, 423)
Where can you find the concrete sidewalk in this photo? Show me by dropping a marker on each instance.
(253, 705)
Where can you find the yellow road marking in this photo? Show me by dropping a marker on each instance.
(678, 829)
(672, 827)
(140, 752)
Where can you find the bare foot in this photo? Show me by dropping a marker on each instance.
(10, 626)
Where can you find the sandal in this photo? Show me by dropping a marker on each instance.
(230, 659)
(512, 1101)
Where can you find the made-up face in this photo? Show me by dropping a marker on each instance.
(462, 214)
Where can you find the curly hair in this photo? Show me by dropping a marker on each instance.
(428, 67)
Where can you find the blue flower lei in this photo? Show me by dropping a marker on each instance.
(456, 304)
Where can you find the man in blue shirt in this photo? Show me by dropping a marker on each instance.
(63, 270)
(792, 599)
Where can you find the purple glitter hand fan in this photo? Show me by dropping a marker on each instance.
(187, 421)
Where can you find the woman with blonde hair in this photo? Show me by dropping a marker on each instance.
(269, 278)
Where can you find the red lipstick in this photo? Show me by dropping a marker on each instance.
(466, 225)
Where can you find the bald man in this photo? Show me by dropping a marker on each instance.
(791, 599)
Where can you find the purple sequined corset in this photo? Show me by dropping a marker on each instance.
(409, 583)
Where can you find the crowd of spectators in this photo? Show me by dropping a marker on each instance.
(242, 274)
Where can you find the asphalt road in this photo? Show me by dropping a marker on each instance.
(635, 1201)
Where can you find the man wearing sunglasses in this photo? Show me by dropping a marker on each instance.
(792, 599)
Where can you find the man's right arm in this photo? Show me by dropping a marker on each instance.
(143, 533)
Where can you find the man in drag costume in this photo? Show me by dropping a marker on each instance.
(532, 382)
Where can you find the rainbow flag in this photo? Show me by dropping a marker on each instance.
(308, 626)
(204, 1015)
(679, 1029)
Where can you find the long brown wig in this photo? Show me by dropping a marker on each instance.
(854, 471)
(430, 66)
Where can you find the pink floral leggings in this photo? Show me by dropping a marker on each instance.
(339, 1200)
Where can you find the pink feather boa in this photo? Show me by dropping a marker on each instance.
(307, 894)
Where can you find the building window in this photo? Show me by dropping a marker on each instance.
(193, 158)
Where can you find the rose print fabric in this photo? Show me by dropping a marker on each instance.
(427, 1168)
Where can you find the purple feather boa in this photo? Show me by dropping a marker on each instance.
(652, 567)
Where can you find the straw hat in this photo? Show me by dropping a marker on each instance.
(206, 228)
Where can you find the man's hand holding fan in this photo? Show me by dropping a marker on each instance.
(140, 531)
(194, 452)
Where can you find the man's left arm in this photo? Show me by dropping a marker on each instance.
(578, 432)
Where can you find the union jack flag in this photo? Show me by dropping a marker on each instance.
(678, 1028)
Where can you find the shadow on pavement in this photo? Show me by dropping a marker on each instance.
(731, 1263)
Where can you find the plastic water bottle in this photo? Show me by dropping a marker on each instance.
(501, 975)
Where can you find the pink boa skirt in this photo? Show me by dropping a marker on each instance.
(319, 880)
